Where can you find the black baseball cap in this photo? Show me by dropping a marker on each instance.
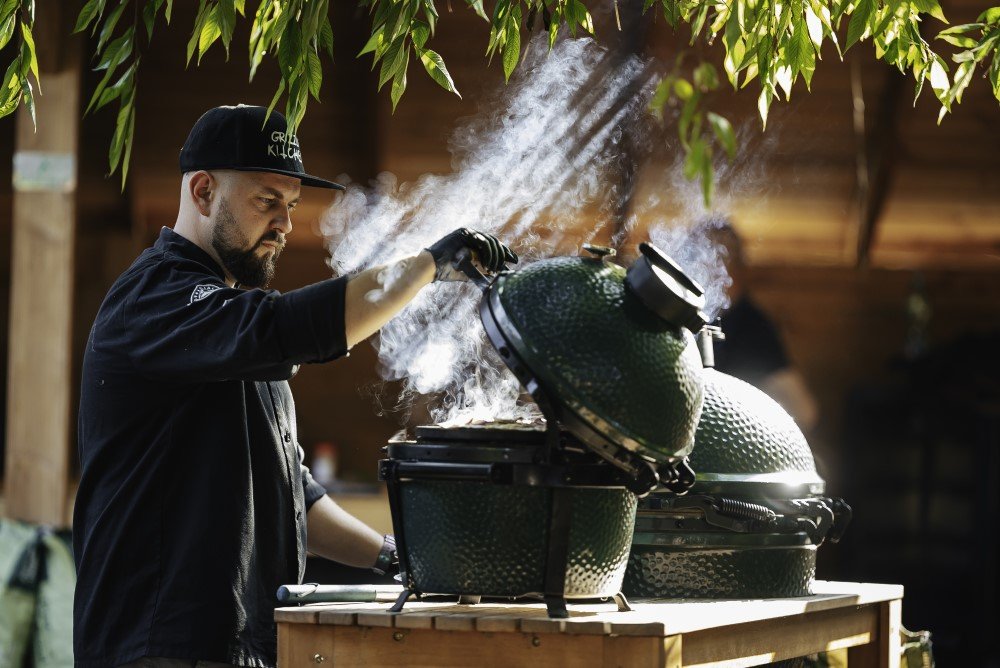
(246, 139)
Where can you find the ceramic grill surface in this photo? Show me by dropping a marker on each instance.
(754, 517)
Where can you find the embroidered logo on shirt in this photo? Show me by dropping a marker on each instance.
(202, 291)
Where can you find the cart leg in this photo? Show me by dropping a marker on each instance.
(556, 606)
(622, 603)
(401, 601)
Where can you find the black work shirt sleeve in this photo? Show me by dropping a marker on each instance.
(182, 324)
(311, 490)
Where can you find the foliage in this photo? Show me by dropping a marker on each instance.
(767, 43)
(17, 17)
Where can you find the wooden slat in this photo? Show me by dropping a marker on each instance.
(779, 639)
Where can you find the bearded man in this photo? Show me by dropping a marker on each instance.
(194, 505)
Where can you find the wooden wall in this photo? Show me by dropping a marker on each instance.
(842, 325)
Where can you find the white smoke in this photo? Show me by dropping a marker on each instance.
(687, 233)
(539, 157)
(525, 169)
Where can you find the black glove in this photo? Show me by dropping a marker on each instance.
(489, 251)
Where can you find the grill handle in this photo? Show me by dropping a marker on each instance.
(438, 471)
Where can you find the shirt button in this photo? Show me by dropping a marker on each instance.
(288, 437)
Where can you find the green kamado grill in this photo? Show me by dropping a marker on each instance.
(750, 526)
(610, 358)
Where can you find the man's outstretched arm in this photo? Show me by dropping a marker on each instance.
(374, 296)
(335, 534)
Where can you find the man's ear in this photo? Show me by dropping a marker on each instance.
(202, 188)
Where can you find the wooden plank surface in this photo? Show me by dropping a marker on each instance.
(659, 618)
(766, 641)
(302, 645)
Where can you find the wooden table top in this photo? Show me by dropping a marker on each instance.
(649, 617)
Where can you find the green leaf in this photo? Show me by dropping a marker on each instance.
(859, 22)
(199, 20)
(477, 7)
(938, 76)
(210, 32)
(963, 76)
(930, 7)
(314, 71)
(129, 135)
(693, 159)
(149, 17)
(706, 78)
(683, 89)
(326, 37)
(114, 91)
(395, 58)
(290, 49)
(991, 15)
(116, 52)
(226, 16)
(420, 33)
(398, 86)
(661, 95)
(274, 100)
(814, 26)
(8, 7)
(89, 12)
(30, 43)
(118, 140)
(109, 27)
(7, 27)
(723, 131)
(512, 47)
(688, 119)
(764, 103)
(959, 41)
(435, 67)
(29, 101)
(372, 42)
(699, 22)
(707, 176)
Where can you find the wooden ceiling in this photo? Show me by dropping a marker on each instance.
(793, 193)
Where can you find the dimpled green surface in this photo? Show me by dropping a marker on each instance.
(665, 572)
(491, 540)
(744, 431)
(601, 351)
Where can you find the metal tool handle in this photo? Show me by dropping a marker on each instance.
(317, 593)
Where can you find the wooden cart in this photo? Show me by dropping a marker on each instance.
(664, 633)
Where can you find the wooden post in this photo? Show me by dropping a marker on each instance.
(41, 304)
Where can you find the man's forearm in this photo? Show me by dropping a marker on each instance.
(374, 296)
(336, 534)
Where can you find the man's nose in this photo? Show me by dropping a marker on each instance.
(283, 221)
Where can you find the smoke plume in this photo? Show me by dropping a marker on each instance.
(538, 157)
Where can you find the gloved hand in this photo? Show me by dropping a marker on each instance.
(489, 251)
(387, 560)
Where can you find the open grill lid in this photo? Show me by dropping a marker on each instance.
(597, 357)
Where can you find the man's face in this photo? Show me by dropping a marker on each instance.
(250, 222)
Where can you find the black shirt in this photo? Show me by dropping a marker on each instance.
(752, 349)
(192, 499)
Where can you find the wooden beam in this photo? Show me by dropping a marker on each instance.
(41, 310)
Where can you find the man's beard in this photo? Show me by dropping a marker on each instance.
(242, 263)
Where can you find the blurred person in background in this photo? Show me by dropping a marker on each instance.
(753, 349)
